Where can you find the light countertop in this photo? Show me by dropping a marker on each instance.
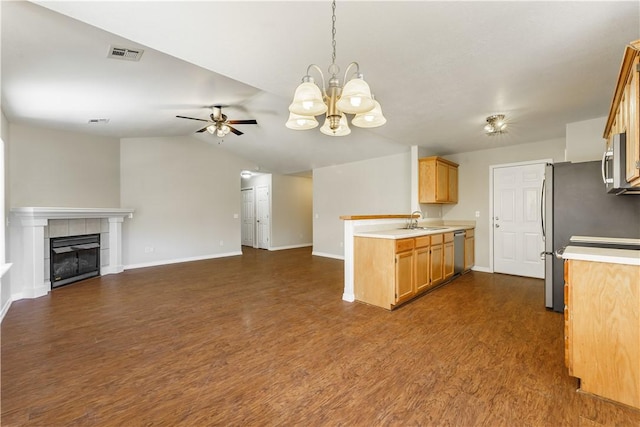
(403, 233)
(613, 256)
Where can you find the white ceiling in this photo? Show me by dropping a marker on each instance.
(438, 69)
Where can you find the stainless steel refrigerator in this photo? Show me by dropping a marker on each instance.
(576, 203)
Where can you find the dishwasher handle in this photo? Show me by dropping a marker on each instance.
(459, 233)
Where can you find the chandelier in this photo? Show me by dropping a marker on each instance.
(354, 98)
(495, 125)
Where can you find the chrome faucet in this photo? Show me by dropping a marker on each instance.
(414, 224)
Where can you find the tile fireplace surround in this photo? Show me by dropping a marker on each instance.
(31, 228)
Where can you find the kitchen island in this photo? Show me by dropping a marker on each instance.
(602, 321)
(387, 264)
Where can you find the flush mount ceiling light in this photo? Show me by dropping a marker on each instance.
(246, 174)
(496, 124)
(355, 98)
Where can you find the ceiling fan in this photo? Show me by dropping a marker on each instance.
(219, 123)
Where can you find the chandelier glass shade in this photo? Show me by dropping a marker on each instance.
(299, 122)
(355, 97)
(341, 130)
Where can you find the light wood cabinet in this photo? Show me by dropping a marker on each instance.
(438, 180)
(389, 272)
(448, 261)
(602, 328)
(437, 259)
(469, 249)
(422, 267)
(624, 113)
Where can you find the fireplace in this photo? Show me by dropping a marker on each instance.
(74, 258)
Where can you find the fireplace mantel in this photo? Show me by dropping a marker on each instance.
(71, 213)
(28, 244)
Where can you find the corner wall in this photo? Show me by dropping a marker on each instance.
(291, 210)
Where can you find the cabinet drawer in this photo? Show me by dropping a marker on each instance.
(422, 241)
(471, 232)
(448, 237)
(404, 245)
(436, 239)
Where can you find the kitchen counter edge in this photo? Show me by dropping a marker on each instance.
(612, 256)
(395, 234)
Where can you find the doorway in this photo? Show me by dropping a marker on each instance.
(516, 231)
(263, 209)
(247, 232)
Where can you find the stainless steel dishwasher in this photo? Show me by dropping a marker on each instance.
(458, 252)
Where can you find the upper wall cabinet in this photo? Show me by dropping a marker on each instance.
(438, 180)
(624, 115)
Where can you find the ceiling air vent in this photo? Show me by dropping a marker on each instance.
(124, 53)
(98, 121)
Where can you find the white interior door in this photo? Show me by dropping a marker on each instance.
(517, 235)
(248, 217)
(262, 216)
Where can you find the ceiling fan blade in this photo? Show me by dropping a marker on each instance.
(202, 130)
(242, 122)
(236, 131)
(192, 118)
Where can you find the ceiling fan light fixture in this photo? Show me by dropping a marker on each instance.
(354, 98)
(298, 122)
(496, 124)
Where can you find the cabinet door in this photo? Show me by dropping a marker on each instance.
(469, 252)
(567, 323)
(421, 257)
(404, 276)
(453, 185)
(632, 111)
(437, 272)
(442, 182)
(448, 260)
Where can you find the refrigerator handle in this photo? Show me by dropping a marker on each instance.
(542, 204)
(605, 169)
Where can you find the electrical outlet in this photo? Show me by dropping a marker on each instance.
(148, 249)
(221, 242)
(477, 214)
(235, 216)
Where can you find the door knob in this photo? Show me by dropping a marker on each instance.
(497, 225)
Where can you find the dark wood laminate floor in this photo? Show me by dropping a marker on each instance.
(265, 339)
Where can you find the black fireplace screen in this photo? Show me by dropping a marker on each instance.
(74, 258)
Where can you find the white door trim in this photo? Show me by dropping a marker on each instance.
(490, 224)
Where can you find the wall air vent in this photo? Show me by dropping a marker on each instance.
(124, 53)
(98, 121)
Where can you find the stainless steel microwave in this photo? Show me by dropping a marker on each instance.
(614, 164)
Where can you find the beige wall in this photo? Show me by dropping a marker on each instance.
(185, 193)
(584, 140)
(62, 169)
(474, 186)
(291, 210)
(376, 186)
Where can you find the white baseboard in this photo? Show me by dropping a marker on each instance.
(5, 308)
(326, 255)
(481, 269)
(179, 260)
(348, 297)
(281, 248)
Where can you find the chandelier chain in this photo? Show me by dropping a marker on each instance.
(333, 32)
